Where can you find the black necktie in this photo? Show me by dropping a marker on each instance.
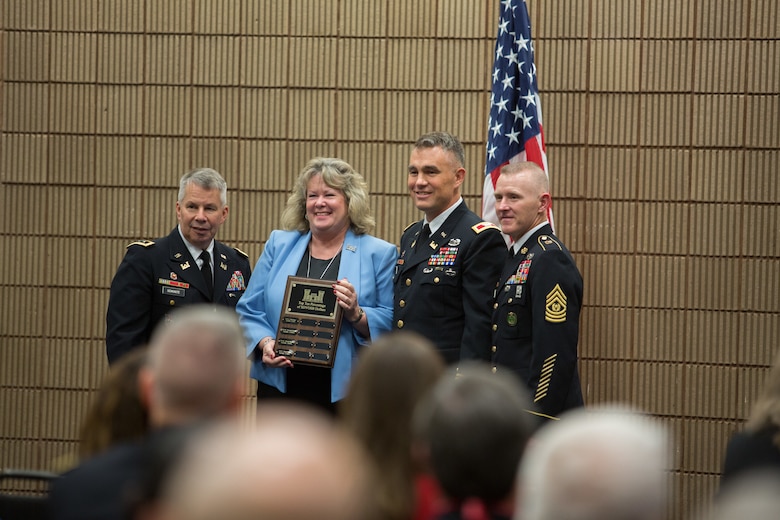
(509, 267)
(206, 270)
(424, 235)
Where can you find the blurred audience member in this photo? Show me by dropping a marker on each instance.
(117, 413)
(608, 464)
(474, 428)
(753, 495)
(391, 377)
(194, 371)
(161, 453)
(294, 464)
(758, 446)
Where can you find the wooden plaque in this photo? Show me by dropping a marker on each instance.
(310, 322)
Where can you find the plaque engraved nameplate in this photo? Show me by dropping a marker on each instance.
(310, 322)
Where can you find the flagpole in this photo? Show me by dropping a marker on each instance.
(515, 130)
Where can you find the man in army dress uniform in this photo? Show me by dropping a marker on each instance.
(537, 309)
(186, 267)
(450, 260)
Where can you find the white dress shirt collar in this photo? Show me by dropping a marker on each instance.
(436, 223)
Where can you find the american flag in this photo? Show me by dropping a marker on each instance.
(515, 126)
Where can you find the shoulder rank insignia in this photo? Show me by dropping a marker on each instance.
(482, 226)
(144, 243)
(555, 305)
(410, 225)
(241, 252)
(546, 241)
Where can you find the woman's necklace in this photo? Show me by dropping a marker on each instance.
(308, 265)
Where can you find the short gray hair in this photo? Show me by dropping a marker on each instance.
(597, 464)
(206, 178)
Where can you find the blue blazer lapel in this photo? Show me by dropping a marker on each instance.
(288, 258)
(350, 258)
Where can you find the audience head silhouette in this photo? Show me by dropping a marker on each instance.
(601, 464)
(294, 463)
(474, 425)
(195, 366)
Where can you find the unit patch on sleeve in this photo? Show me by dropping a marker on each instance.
(236, 282)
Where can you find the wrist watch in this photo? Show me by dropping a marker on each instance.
(359, 317)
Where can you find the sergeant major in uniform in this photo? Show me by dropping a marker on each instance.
(537, 309)
(450, 260)
(186, 267)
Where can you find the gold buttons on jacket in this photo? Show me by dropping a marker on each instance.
(495, 327)
(494, 370)
(436, 280)
(408, 282)
(493, 349)
(495, 305)
(400, 324)
(172, 303)
(402, 303)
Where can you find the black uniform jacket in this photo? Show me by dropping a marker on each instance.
(443, 287)
(105, 486)
(155, 278)
(536, 322)
(97, 489)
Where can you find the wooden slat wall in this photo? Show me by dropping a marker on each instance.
(660, 121)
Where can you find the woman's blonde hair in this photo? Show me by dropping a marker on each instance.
(338, 175)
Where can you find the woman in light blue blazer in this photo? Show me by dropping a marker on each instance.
(326, 222)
